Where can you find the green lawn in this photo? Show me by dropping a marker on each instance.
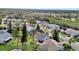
(9, 45)
(16, 44)
(62, 36)
(2, 26)
(71, 24)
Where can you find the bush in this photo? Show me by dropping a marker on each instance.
(67, 47)
(2, 27)
(56, 35)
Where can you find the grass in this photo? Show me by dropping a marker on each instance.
(9, 45)
(74, 39)
(2, 26)
(31, 46)
(16, 44)
(29, 40)
(62, 36)
(67, 47)
(71, 24)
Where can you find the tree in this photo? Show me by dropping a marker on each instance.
(38, 27)
(24, 36)
(9, 27)
(0, 21)
(32, 21)
(55, 35)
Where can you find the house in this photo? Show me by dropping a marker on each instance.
(75, 46)
(73, 19)
(30, 28)
(53, 26)
(4, 20)
(41, 22)
(4, 36)
(12, 19)
(51, 45)
(71, 32)
(48, 28)
(66, 19)
(35, 32)
(45, 19)
(77, 36)
(41, 37)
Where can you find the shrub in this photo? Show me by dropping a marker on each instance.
(67, 47)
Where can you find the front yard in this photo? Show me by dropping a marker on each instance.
(15, 43)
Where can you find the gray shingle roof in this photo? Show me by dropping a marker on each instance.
(75, 46)
(42, 22)
(4, 36)
(72, 32)
(30, 28)
(53, 26)
(42, 36)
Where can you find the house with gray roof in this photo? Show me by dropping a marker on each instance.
(41, 22)
(4, 36)
(51, 45)
(75, 46)
(42, 37)
(53, 26)
(30, 28)
(71, 32)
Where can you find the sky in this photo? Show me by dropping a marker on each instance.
(41, 4)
